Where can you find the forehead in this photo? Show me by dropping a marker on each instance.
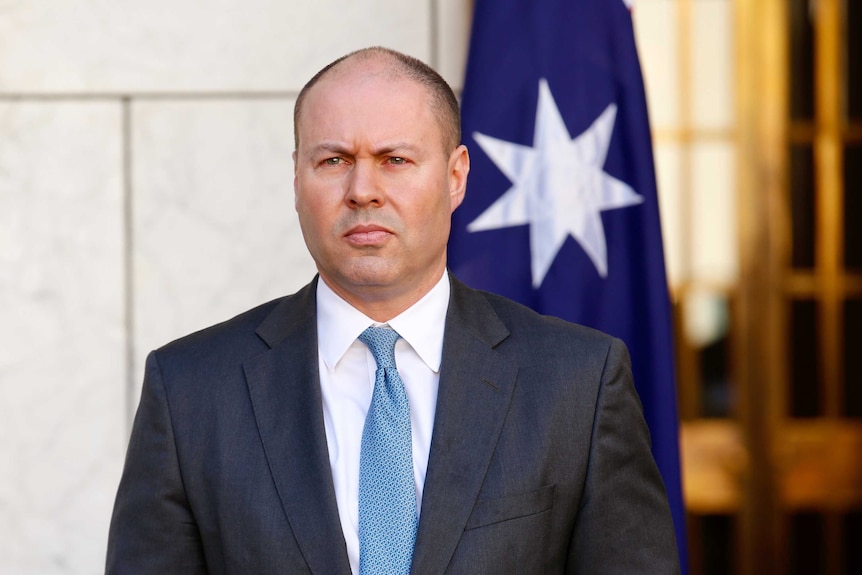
(371, 99)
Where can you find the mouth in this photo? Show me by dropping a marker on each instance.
(367, 235)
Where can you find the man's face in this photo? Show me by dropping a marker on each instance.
(375, 187)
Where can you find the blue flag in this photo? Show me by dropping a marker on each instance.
(561, 212)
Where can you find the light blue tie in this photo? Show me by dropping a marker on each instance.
(387, 494)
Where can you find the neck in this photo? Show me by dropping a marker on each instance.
(382, 303)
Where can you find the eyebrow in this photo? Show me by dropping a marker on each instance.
(331, 147)
(338, 148)
(393, 147)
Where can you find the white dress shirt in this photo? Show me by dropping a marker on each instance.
(347, 370)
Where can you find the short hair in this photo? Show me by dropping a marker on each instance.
(443, 100)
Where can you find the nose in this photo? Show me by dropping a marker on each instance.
(364, 186)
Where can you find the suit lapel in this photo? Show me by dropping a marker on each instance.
(476, 385)
(285, 393)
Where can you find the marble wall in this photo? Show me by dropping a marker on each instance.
(145, 192)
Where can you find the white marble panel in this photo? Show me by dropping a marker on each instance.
(655, 24)
(712, 73)
(187, 45)
(668, 172)
(62, 364)
(454, 18)
(714, 213)
(216, 231)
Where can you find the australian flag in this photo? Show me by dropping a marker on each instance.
(561, 212)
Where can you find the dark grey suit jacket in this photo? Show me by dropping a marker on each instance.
(539, 462)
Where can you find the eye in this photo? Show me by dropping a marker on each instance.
(332, 161)
(397, 161)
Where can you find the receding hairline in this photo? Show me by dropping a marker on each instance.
(396, 65)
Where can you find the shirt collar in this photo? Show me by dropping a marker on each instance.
(421, 325)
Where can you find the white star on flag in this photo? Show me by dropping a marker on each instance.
(559, 186)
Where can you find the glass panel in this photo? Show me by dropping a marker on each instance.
(706, 322)
(717, 395)
(801, 61)
(853, 207)
(807, 549)
(804, 394)
(854, 58)
(852, 560)
(713, 242)
(711, 62)
(852, 359)
(718, 550)
(802, 205)
(667, 163)
(655, 25)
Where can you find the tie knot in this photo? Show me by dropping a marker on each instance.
(381, 342)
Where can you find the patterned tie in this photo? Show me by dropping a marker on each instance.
(387, 494)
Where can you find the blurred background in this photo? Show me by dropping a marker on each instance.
(146, 192)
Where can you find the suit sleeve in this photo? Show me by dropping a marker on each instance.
(152, 528)
(624, 523)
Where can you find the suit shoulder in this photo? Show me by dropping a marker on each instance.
(536, 338)
(547, 349)
(522, 320)
(243, 324)
(237, 337)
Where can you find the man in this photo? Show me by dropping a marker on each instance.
(256, 446)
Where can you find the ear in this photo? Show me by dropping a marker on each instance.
(459, 167)
(295, 198)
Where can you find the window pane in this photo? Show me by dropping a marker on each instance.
(852, 560)
(667, 164)
(713, 212)
(717, 393)
(655, 26)
(706, 325)
(854, 59)
(801, 61)
(804, 396)
(718, 552)
(853, 207)
(852, 359)
(802, 205)
(711, 61)
(807, 550)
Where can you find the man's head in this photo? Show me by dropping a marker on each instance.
(378, 172)
(442, 98)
